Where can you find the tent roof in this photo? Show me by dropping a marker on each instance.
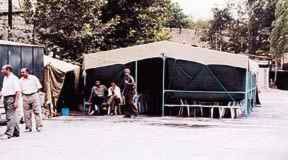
(170, 49)
(10, 43)
(61, 65)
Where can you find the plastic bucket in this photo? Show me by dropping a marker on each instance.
(65, 111)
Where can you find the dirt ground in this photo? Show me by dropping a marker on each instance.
(262, 136)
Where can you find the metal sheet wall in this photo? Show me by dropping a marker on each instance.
(38, 64)
(27, 57)
(14, 54)
(19, 57)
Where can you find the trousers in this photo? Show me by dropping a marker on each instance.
(11, 116)
(31, 104)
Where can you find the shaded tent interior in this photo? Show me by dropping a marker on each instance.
(191, 73)
(61, 84)
(282, 79)
(21, 55)
(180, 75)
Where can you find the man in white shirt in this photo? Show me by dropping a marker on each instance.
(30, 85)
(114, 100)
(11, 92)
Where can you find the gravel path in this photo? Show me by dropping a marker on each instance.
(261, 136)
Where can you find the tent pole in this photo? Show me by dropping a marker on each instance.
(246, 105)
(84, 81)
(136, 75)
(163, 84)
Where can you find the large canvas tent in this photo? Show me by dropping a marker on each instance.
(165, 71)
(22, 55)
(61, 81)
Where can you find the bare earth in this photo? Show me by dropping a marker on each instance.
(262, 136)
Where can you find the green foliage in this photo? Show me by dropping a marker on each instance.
(176, 17)
(222, 19)
(71, 28)
(228, 28)
(133, 22)
(279, 35)
(28, 11)
(261, 16)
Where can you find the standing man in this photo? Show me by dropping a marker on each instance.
(129, 93)
(11, 92)
(30, 86)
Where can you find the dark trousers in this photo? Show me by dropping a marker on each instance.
(98, 101)
(11, 116)
(131, 108)
(113, 101)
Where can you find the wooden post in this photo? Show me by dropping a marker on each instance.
(10, 12)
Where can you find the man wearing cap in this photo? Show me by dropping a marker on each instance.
(30, 85)
(11, 92)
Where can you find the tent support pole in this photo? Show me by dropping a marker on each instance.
(163, 84)
(246, 105)
(136, 75)
(84, 81)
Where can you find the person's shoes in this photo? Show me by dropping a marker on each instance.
(28, 129)
(16, 135)
(4, 137)
(22, 121)
(91, 113)
(38, 129)
(127, 116)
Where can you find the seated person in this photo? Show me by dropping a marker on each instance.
(97, 97)
(114, 98)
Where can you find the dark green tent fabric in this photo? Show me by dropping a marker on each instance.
(180, 75)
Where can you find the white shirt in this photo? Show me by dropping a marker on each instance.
(11, 85)
(117, 91)
(30, 85)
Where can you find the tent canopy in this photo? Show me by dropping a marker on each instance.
(169, 49)
(61, 65)
(57, 74)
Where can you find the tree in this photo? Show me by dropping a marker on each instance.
(279, 35)
(261, 16)
(28, 12)
(69, 28)
(222, 20)
(228, 28)
(133, 22)
(176, 17)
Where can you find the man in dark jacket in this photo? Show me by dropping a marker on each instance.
(129, 93)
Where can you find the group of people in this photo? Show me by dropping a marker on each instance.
(113, 97)
(15, 90)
